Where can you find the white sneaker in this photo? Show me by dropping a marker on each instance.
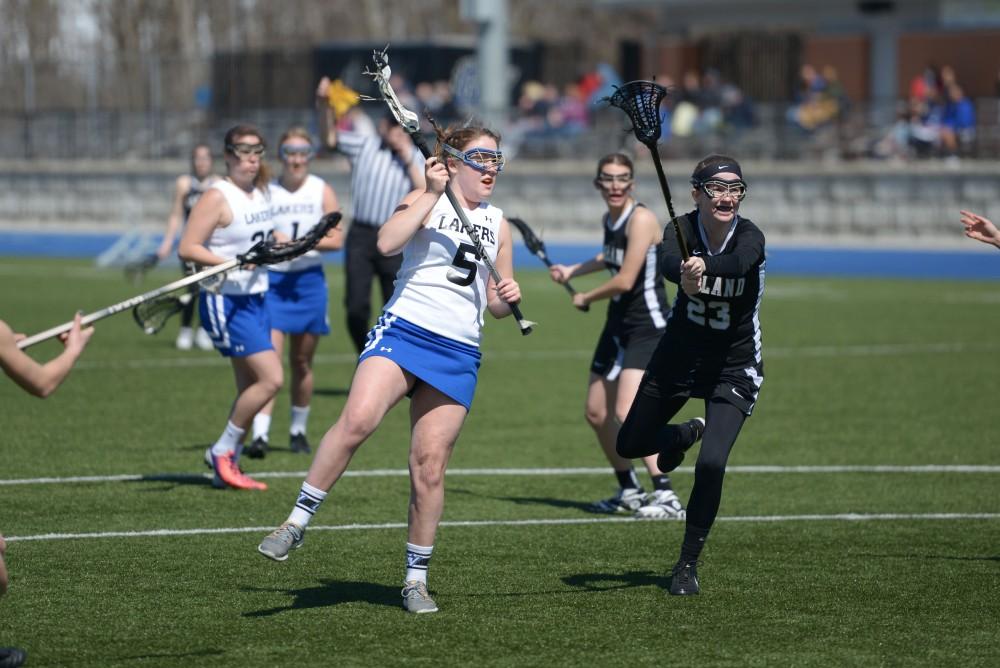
(203, 340)
(661, 504)
(626, 500)
(185, 339)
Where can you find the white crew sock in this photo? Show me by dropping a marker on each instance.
(229, 440)
(306, 505)
(300, 415)
(418, 558)
(261, 425)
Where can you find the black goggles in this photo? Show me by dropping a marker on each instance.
(245, 150)
(717, 188)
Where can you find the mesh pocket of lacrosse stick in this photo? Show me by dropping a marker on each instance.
(151, 316)
(641, 101)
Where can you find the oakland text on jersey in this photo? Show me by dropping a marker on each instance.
(716, 286)
(455, 225)
(614, 255)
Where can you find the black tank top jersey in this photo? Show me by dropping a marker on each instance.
(724, 317)
(645, 304)
(197, 189)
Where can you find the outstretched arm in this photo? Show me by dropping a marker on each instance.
(327, 120)
(41, 380)
(981, 229)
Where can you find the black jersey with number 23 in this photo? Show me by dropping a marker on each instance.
(724, 317)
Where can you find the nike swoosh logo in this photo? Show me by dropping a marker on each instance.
(738, 394)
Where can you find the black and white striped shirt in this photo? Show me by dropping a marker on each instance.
(379, 179)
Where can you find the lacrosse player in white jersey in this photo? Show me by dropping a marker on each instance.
(230, 217)
(425, 345)
(297, 294)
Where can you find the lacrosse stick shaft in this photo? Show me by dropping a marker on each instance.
(129, 303)
(525, 325)
(569, 287)
(681, 241)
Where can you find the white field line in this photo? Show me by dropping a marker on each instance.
(394, 473)
(859, 350)
(843, 517)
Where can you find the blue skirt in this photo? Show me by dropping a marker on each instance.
(447, 365)
(297, 301)
(238, 324)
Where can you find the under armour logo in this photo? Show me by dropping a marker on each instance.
(384, 349)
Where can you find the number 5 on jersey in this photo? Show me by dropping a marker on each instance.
(462, 261)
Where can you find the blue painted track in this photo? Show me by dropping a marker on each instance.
(973, 264)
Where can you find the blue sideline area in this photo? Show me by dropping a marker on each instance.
(782, 260)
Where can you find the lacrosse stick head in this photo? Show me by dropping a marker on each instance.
(641, 101)
(381, 74)
(151, 316)
(531, 240)
(270, 252)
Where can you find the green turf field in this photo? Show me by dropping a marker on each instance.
(831, 564)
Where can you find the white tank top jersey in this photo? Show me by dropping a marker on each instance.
(251, 223)
(441, 285)
(294, 214)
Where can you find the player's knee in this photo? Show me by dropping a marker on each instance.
(427, 470)
(709, 465)
(595, 416)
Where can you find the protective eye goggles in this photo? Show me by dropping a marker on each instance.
(286, 151)
(245, 150)
(717, 188)
(608, 179)
(480, 159)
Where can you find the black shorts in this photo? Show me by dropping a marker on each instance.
(681, 371)
(623, 348)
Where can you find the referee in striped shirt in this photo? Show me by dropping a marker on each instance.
(384, 168)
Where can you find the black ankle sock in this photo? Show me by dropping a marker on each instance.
(694, 541)
(661, 481)
(627, 479)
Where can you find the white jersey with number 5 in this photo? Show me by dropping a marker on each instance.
(251, 223)
(295, 214)
(441, 285)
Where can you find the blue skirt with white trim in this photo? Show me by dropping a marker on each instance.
(447, 365)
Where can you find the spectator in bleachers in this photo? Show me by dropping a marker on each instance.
(813, 106)
(958, 122)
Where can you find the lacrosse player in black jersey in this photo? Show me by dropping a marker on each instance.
(711, 350)
(636, 318)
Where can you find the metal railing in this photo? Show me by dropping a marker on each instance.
(113, 135)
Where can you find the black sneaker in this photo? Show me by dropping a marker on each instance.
(257, 449)
(11, 657)
(668, 460)
(298, 443)
(684, 578)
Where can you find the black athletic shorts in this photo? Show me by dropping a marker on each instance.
(623, 348)
(680, 371)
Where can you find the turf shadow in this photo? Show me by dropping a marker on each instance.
(200, 654)
(585, 506)
(330, 593)
(613, 581)
(945, 557)
(332, 391)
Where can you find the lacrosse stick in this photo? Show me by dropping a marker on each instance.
(409, 121)
(537, 248)
(264, 252)
(151, 316)
(641, 101)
